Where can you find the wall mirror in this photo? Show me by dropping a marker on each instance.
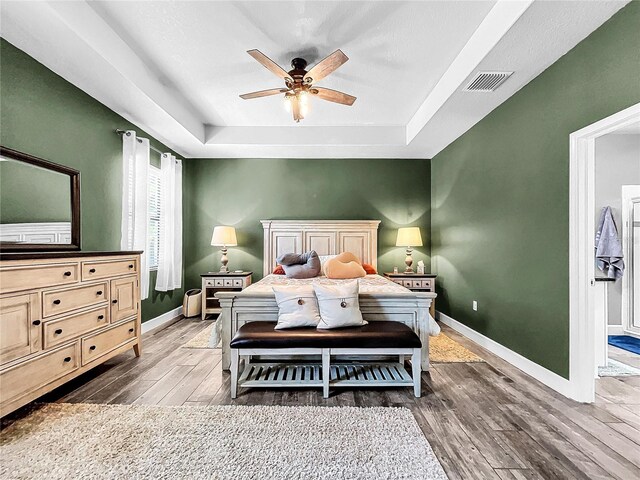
(39, 204)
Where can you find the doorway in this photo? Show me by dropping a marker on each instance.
(586, 334)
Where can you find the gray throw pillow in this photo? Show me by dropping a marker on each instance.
(308, 265)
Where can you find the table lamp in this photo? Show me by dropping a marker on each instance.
(224, 237)
(409, 237)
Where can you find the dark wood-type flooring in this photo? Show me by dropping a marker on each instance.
(483, 420)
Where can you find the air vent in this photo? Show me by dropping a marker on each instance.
(486, 81)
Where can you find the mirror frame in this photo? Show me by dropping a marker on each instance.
(74, 184)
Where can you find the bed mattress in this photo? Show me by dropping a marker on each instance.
(369, 285)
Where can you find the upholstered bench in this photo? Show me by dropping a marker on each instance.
(377, 338)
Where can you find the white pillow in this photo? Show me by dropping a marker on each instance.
(339, 306)
(323, 260)
(298, 307)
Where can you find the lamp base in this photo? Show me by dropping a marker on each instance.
(224, 260)
(409, 261)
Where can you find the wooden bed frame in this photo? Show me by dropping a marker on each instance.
(326, 237)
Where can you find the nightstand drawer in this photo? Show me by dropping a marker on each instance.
(228, 282)
(407, 283)
(237, 282)
(416, 283)
(218, 282)
(428, 283)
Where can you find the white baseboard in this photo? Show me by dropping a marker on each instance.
(615, 330)
(162, 321)
(547, 377)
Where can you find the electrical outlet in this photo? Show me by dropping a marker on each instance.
(475, 306)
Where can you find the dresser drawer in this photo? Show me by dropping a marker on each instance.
(14, 279)
(20, 326)
(63, 329)
(427, 283)
(101, 343)
(110, 268)
(33, 374)
(61, 301)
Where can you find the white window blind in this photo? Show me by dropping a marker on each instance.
(155, 200)
(155, 197)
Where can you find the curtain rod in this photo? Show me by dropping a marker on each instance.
(119, 131)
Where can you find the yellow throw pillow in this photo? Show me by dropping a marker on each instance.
(345, 265)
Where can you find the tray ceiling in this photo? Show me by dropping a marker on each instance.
(176, 68)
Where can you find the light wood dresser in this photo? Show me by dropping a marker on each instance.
(62, 314)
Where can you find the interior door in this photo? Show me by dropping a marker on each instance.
(631, 251)
(635, 261)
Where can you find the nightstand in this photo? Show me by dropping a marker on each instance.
(213, 282)
(418, 282)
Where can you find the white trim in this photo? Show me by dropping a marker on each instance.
(581, 249)
(615, 330)
(162, 321)
(543, 375)
(38, 232)
(630, 194)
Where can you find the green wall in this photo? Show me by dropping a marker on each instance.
(44, 115)
(241, 192)
(500, 196)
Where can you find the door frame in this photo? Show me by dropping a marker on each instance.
(630, 193)
(582, 325)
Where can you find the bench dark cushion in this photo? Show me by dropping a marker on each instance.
(380, 334)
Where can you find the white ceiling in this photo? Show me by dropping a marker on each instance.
(176, 69)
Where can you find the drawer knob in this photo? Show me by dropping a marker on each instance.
(131, 330)
(99, 292)
(36, 322)
(131, 266)
(58, 331)
(67, 274)
(100, 317)
(92, 347)
(114, 301)
(56, 302)
(92, 270)
(67, 359)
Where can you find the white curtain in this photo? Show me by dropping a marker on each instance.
(135, 201)
(170, 258)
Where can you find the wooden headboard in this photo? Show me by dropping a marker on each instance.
(326, 237)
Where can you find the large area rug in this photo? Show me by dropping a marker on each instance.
(69, 441)
(442, 349)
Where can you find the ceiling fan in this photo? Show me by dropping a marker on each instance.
(300, 82)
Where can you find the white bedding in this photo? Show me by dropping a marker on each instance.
(369, 285)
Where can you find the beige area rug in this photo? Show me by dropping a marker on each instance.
(442, 349)
(69, 441)
(201, 340)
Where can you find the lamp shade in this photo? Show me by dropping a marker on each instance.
(409, 237)
(224, 236)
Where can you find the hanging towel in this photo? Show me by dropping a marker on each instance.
(608, 246)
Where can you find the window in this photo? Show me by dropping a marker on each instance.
(155, 195)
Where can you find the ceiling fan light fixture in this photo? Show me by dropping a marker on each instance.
(299, 83)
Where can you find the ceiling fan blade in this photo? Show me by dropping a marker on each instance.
(295, 109)
(326, 66)
(269, 64)
(263, 93)
(333, 95)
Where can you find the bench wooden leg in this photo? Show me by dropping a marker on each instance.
(235, 360)
(416, 370)
(326, 369)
